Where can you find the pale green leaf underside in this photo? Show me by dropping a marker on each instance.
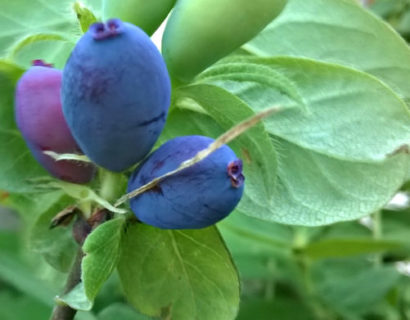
(261, 74)
(186, 274)
(39, 29)
(350, 115)
(315, 189)
(76, 299)
(335, 158)
(33, 38)
(21, 18)
(54, 51)
(338, 31)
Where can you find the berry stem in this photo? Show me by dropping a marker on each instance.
(377, 235)
(81, 229)
(110, 184)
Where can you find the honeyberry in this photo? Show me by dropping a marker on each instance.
(116, 94)
(196, 197)
(40, 119)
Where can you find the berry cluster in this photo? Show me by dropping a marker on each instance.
(110, 102)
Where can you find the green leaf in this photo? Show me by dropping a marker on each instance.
(356, 193)
(101, 250)
(28, 17)
(341, 159)
(338, 31)
(345, 247)
(76, 298)
(121, 311)
(178, 273)
(49, 47)
(84, 15)
(253, 146)
(251, 72)
(315, 189)
(56, 245)
(43, 30)
(33, 38)
(17, 166)
(350, 115)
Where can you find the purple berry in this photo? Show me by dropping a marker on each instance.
(196, 197)
(116, 93)
(40, 119)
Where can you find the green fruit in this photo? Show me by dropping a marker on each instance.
(200, 32)
(148, 15)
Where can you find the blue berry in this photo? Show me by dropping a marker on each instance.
(116, 94)
(196, 197)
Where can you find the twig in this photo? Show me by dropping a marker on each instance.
(63, 311)
(81, 229)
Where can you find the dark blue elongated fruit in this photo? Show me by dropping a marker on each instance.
(39, 117)
(116, 94)
(196, 197)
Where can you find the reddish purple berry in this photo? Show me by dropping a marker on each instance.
(40, 119)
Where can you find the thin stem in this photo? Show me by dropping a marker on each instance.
(81, 230)
(303, 262)
(377, 235)
(63, 311)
